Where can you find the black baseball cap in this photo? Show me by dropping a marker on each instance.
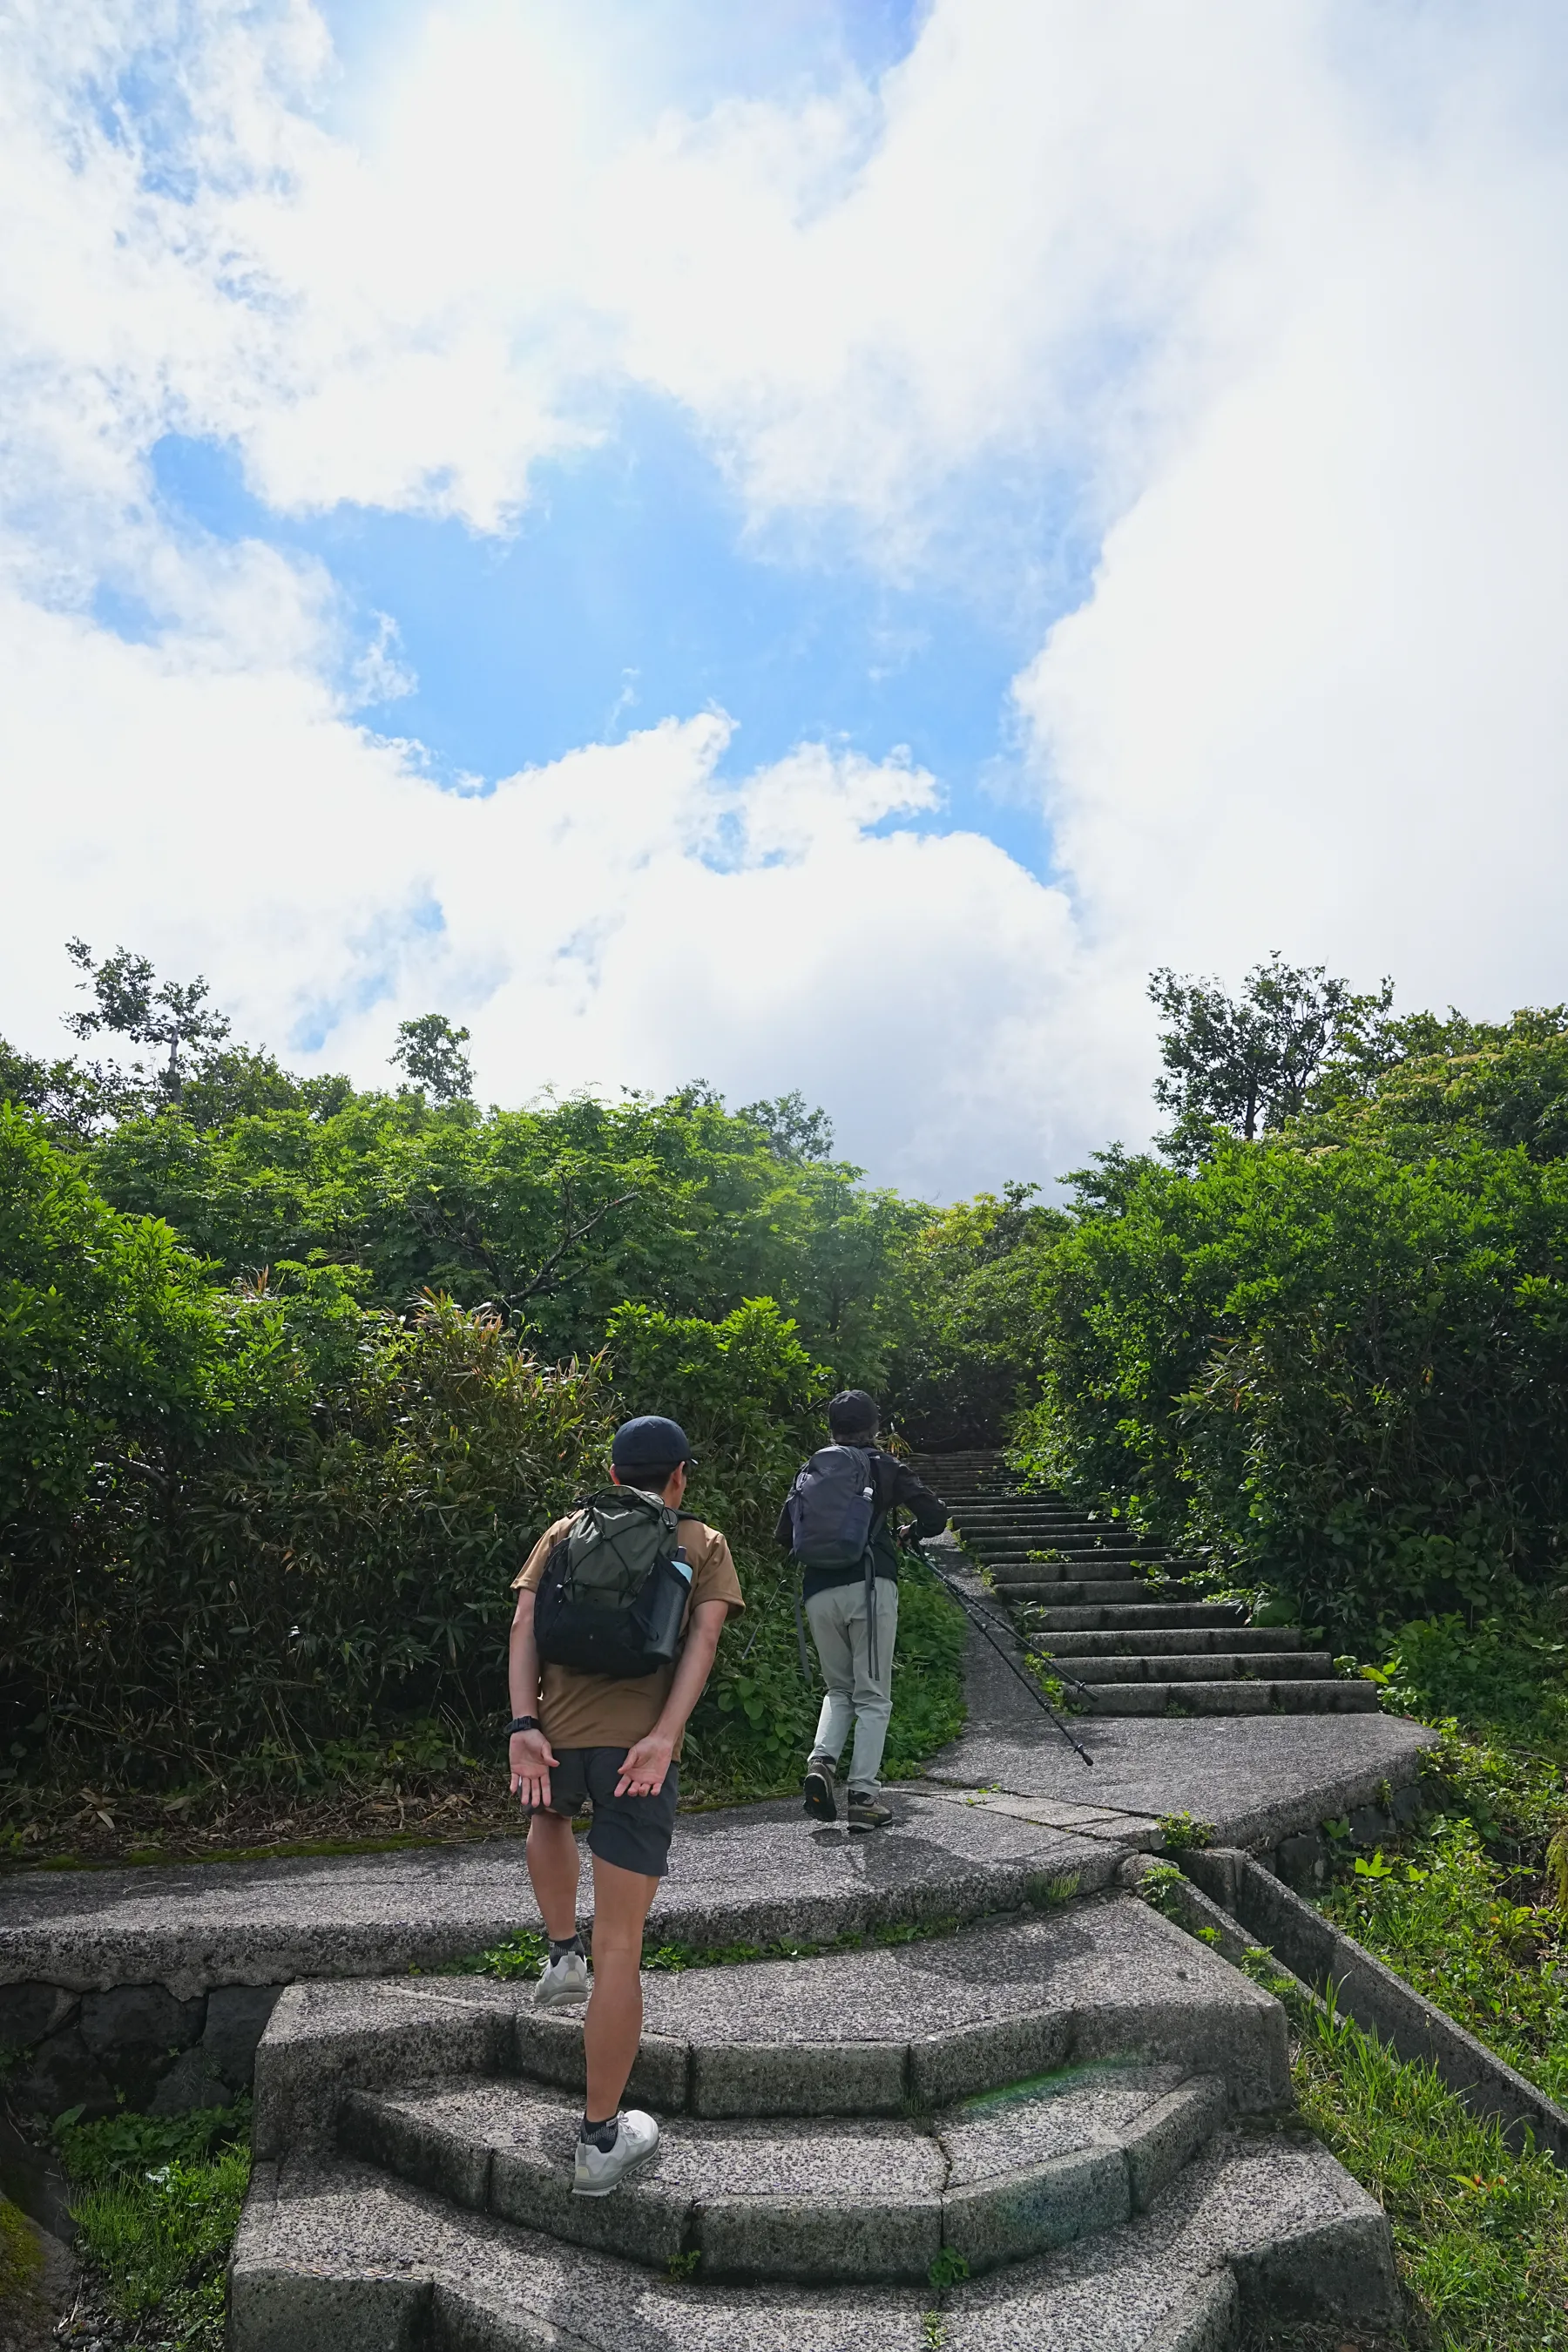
(650, 1443)
(853, 1413)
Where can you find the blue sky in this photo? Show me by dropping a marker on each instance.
(631, 588)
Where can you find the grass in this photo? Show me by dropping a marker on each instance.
(1480, 2230)
(1445, 1914)
(1469, 1908)
(156, 2203)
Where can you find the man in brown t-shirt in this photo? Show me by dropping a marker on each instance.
(580, 1739)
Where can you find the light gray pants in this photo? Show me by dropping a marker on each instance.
(840, 1630)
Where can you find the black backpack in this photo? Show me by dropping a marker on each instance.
(613, 1595)
(832, 1518)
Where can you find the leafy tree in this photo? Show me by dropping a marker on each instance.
(555, 1215)
(793, 1131)
(1437, 1084)
(429, 1051)
(72, 1099)
(130, 1002)
(1343, 1374)
(243, 1522)
(1247, 1063)
(969, 1343)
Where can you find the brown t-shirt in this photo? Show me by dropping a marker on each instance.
(579, 1710)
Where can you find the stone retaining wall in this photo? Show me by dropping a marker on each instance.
(1322, 1956)
(137, 2042)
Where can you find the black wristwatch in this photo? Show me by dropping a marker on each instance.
(522, 1723)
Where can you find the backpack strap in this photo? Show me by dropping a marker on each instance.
(872, 1533)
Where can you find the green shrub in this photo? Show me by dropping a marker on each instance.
(243, 1524)
(1510, 1674)
(1343, 1374)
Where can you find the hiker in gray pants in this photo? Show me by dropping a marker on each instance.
(851, 1597)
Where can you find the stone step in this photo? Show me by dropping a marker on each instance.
(1203, 1666)
(1238, 1697)
(1127, 1616)
(997, 2179)
(1071, 1591)
(1020, 1547)
(1058, 1522)
(1021, 1530)
(1108, 1568)
(1255, 2231)
(1103, 1564)
(1175, 1641)
(851, 2032)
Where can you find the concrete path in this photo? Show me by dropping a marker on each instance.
(1257, 1778)
(1008, 1802)
(750, 1875)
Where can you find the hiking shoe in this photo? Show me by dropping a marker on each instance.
(601, 2169)
(867, 1810)
(563, 1983)
(819, 1796)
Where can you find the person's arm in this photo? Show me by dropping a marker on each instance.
(912, 1493)
(528, 1752)
(642, 1774)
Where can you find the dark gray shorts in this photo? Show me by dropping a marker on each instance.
(632, 1833)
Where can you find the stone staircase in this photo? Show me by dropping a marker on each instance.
(1127, 1638)
(1053, 2129)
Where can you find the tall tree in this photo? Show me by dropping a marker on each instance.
(793, 1131)
(429, 1051)
(130, 1002)
(1246, 1062)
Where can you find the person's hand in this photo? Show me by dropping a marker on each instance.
(531, 1756)
(642, 1774)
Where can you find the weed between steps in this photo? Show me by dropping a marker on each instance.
(524, 1955)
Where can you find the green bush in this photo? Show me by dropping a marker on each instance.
(261, 1529)
(1509, 1675)
(244, 1523)
(1343, 1375)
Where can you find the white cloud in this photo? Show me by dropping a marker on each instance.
(1265, 301)
(1318, 696)
(620, 917)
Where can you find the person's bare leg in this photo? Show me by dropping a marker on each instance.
(612, 2029)
(553, 1870)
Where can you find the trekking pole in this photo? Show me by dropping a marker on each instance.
(982, 1620)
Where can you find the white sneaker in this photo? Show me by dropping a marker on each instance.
(600, 2171)
(563, 1983)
